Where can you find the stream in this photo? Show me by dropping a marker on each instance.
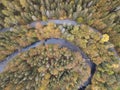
(61, 42)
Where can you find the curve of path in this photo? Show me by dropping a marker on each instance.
(62, 43)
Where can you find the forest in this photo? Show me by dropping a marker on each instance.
(59, 45)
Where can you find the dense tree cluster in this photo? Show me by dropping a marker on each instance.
(49, 67)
